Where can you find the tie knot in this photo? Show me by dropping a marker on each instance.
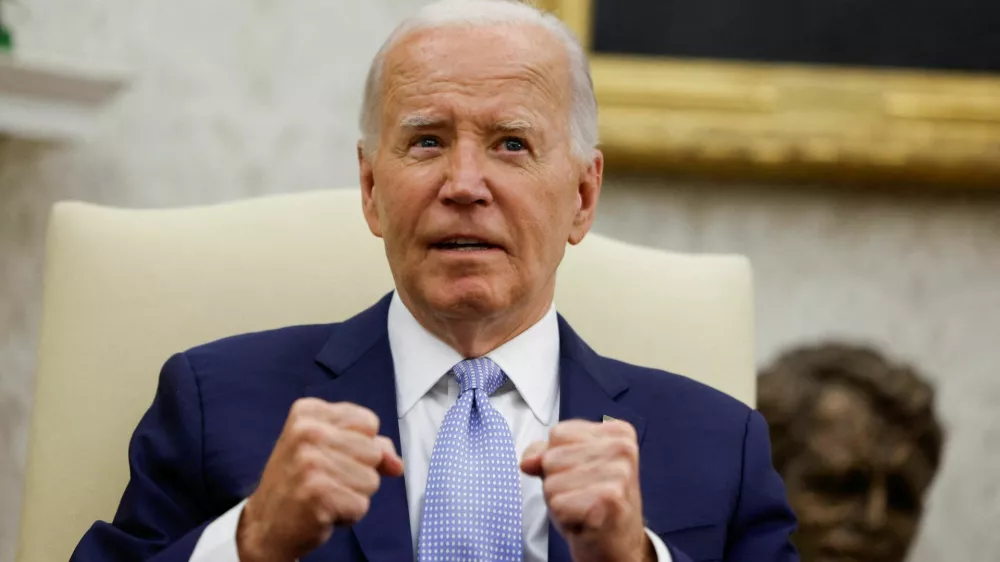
(481, 373)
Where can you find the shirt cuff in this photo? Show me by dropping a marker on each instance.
(218, 541)
(662, 553)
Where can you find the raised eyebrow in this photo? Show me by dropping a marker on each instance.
(512, 126)
(421, 122)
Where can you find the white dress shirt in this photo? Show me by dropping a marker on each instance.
(425, 390)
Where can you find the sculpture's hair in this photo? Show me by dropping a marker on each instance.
(489, 13)
(788, 389)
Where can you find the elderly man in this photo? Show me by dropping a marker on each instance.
(460, 418)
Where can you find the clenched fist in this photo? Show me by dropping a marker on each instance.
(322, 473)
(591, 485)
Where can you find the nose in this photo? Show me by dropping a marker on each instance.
(876, 509)
(466, 181)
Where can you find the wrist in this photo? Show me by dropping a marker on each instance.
(250, 542)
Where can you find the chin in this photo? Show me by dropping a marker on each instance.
(466, 298)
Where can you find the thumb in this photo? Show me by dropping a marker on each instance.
(531, 462)
(391, 464)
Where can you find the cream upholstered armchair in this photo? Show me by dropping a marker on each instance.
(124, 289)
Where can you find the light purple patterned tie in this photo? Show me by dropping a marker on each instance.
(472, 503)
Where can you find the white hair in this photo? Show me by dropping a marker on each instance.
(488, 13)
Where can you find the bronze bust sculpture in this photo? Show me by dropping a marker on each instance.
(857, 442)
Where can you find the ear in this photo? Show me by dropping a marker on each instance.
(588, 192)
(366, 171)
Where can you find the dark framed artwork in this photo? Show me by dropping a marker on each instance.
(894, 91)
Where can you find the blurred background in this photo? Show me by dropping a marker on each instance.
(239, 98)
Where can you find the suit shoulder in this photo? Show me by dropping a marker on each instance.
(288, 346)
(657, 390)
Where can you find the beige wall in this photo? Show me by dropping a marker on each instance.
(233, 98)
(916, 274)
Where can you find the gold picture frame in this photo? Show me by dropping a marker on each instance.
(793, 122)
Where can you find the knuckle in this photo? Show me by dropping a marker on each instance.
(558, 509)
(608, 493)
(323, 514)
(351, 409)
(552, 488)
(623, 491)
(549, 489)
(623, 472)
(624, 448)
(381, 443)
(366, 482)
(622, 428)
(307, 431)
(368, 419)
(307, 461)
(359, 417)
(548, 460)
(363, 502)
(559, 433)
(620, 486)
(313, 490)
(614, 493)
(374, 482)
(318, 484)
(371, 453)
(573, 431)
(340, 409)
(303, 407)
(355, 507)
(629, 431)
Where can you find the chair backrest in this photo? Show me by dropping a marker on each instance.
(126, 288)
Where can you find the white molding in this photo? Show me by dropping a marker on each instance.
(48, 102)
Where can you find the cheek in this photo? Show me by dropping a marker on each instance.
(547, 212)
(543, 239)
(404, 195)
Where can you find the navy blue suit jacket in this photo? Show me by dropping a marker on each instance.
(708, 486)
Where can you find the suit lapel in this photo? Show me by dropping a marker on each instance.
(588, 389)
(588, 392)
(360, 363)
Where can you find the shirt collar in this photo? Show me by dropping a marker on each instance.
(530, 360)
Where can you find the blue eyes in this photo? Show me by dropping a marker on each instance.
(509, 144)
(428, 142)
(513, 144)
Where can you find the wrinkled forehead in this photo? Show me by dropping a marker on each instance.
(486, 67)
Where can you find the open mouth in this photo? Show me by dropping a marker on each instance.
(465, 245)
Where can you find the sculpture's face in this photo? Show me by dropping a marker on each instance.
(857, 484)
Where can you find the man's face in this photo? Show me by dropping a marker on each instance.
(474, 188)
(857, 488)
